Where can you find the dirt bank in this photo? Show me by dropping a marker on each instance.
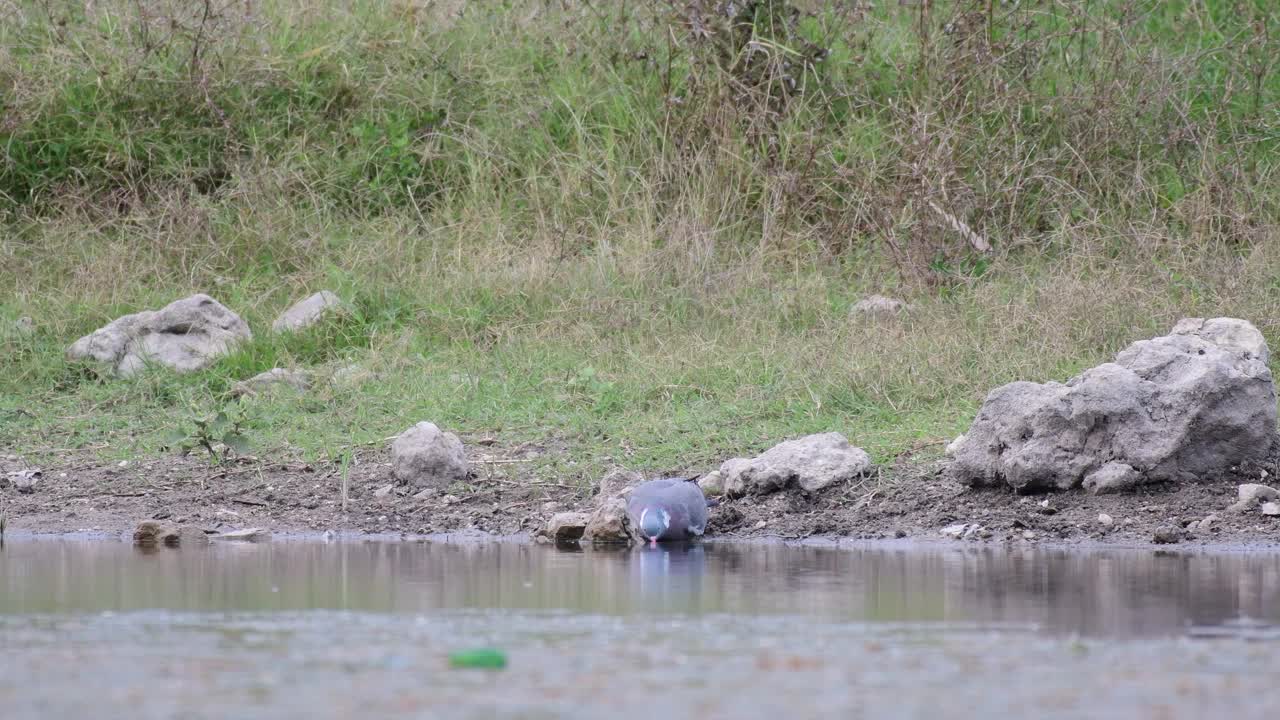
(908, 499)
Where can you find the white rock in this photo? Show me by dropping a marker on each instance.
(1253, 492)
(812, 463)
(956, 531)
(425, 456)
(1180, 407)
(185, 335)
(307, 312)
(1271, 508)
(1105, 520)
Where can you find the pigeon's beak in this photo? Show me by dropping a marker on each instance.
(653, 542)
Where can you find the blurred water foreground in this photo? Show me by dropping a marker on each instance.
(713, 630)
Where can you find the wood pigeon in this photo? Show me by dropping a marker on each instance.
(668, 509)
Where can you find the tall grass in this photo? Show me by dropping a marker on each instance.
(639, 223)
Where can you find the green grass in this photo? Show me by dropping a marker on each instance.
(584, 227)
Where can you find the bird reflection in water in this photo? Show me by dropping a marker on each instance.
(669, 574)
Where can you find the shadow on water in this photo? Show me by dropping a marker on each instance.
(1092, 592)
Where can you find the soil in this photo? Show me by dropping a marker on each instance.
(909, 499)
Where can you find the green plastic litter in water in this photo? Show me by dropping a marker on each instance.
(488, 658)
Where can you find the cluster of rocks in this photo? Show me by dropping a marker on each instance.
(190, 334)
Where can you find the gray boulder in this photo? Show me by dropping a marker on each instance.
(812, 463)
(425, 456)
(307, 312)
(185, 335)
(1183, 406)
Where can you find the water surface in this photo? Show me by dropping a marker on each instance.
(285, 629)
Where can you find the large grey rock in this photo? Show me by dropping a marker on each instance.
(185, 335)
(1183, 406)
(425, 456)
(307, 312)
(813, 463)
(265, 382)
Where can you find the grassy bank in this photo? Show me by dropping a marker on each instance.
(629, 231)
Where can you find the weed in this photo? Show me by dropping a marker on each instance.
(219, 434)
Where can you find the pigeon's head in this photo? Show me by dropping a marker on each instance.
(654, 522)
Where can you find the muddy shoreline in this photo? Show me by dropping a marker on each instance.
(84, 496)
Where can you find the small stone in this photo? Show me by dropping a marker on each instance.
(271, 380)
(426, 494)
(1105, 520)
(813, 463)
(1271, 508)
(123, 464)
(1206, 524)
(1253, 492)
(426, 456)
(25, 481)
(567, 526)
(609, 523)
(384, 491)
(899, 533)
(307, 312)
(450, 499)
(150, 533)
(616, 483)
(1028, 534)
(245, 535)
(984, 533)
(956, 531)
(712, 483)
(1167, 535)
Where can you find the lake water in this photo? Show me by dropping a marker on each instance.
(97, 629)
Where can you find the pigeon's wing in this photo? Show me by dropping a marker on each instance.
(695, 505)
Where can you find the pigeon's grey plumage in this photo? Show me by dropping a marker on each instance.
(668, 509)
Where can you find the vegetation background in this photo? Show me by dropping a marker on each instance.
(630, 230)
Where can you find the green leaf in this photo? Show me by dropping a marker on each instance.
(238, 443)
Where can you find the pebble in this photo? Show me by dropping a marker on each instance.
(1105, 520)
(761, 524)
(383, 491)
(1028, 535)
(1271, 508)
(1167, 535)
